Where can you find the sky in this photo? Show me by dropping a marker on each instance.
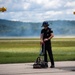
(37, 10)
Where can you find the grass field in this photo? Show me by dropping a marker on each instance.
(27, 50)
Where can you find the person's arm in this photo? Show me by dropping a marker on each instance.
(51, 36)
(41, 38)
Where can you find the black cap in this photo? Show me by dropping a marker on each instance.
(45, 24)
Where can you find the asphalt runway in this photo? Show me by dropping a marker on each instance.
(61, 68)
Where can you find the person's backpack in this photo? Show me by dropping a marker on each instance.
(39, 63)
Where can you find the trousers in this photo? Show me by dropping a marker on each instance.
(48, 49)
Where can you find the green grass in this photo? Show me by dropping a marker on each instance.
(23, 50)
(8, 57)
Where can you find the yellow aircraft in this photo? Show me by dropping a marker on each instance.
(74, 12)
(3, 9)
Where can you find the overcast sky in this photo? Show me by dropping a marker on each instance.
(38, 10)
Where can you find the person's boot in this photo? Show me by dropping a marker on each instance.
(46, 65)
(52, 66)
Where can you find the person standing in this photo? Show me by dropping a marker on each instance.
(46, 36)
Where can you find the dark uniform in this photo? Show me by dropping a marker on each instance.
(46, 34)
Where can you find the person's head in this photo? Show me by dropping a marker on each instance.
(45, 24)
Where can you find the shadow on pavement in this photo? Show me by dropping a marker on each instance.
(67, 68)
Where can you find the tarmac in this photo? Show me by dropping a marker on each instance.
(61, 68)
